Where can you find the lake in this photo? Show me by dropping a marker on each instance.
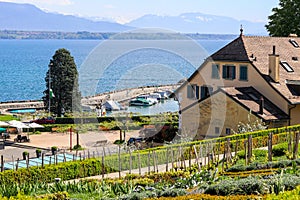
(24, 63)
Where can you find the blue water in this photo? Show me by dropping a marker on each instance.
(24, 63)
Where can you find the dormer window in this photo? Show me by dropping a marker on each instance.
(286, 66)
(294, 43)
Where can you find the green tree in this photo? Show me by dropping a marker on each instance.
(63, 94)
(285, 19)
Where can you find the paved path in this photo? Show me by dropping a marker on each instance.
(145, 170)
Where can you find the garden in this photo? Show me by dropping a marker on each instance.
(234, 167)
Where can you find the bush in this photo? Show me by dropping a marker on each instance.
(246, 186)
(77, 147)
(279, 149)
(65, 171)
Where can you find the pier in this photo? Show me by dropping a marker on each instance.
(121, 96)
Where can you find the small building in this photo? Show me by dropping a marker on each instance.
(252, 74)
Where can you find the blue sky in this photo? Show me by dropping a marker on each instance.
(125, 10)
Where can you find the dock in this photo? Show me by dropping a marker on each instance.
(121, 96)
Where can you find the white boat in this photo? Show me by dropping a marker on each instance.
(163, 94)
(140, 102)
(156, 96)
(112, 106)
(148, 97)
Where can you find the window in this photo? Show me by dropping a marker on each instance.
(294, 43)
(190, 92)
(286, 66)
(229, 72)
(228, 130)
(193, 91)
(215, 71)
(243, 73)
(217, 130)
(206, 91)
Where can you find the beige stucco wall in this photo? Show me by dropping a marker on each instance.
(295, 114)
(217, 111)
(200, 121)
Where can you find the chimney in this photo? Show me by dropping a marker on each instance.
(274, 65)
(261, 105)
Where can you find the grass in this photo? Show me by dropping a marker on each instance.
(7, 117)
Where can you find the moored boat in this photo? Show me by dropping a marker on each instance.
(140, 102)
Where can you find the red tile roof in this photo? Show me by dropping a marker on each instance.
(256, 49)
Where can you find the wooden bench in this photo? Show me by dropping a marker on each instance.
(101, 142)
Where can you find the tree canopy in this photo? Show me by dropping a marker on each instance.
(285, 19)
(62, 92)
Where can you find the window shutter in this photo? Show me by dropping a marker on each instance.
(243, 73)
(224, 71)
(233, 72)
(189, 91)
(202, 92)
(197, 91)
(215, 71)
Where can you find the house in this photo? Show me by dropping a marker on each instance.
(252, 74)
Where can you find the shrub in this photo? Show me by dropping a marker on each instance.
(279, 149)
(77, 147)
(246, 186)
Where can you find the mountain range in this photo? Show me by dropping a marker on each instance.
(28, 17)
(199, 23)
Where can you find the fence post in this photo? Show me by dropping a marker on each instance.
(102, 165)
(27, 161)
(43, 157)
(295, 152)
(154, 164)
(236, 147)
(200, 155)
(245, 147)
(197, 158)
(167, 159)
(2, 163)
(140, 172)
(17, 165)
(172, 157)
(190, 156)
(290, 142)
(270, 146)
(56, 159)
(228, 153)
(119, 156)
(249, 147)
(130, 161)
(149, 161)
(205, 153)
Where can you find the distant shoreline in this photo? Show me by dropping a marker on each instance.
(84, 35)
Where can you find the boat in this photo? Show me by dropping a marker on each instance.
(112, 106)
(155, 96)
(163, 94)
(148, 97)
(140, 102)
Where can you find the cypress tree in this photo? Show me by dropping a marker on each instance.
(64, 94)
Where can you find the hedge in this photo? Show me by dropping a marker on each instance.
(65, 171)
